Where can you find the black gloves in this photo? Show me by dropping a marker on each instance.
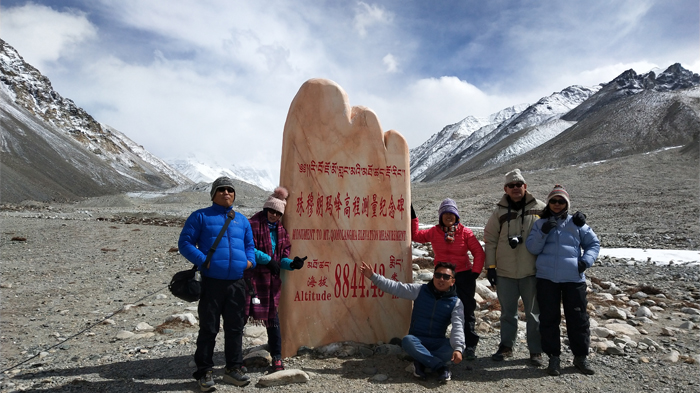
(579, 219)
(274, 267)
(413, 212)
(297, 263)
(582, 267)
(491, 276)
(475, 275)
(549, 224)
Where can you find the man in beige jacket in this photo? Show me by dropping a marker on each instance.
(511, 267)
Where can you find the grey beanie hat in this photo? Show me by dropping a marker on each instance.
(278, 200)
(448, 206)
(223, 181)
(514, 176)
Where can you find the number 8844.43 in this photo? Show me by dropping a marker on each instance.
(344, 282)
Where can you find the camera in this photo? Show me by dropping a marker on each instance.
(514, 241)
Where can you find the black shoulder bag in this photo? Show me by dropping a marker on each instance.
(184, 285)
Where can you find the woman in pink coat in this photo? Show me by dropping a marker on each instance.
(451, 241)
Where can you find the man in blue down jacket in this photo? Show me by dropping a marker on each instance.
(558, 240)
(435, 306)
(223, 287)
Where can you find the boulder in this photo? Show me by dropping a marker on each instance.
(257, 359)
(485, 293)
(284, 377)
(623, 328)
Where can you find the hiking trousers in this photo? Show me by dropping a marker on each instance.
(220, 298)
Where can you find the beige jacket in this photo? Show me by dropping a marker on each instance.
(512, 263)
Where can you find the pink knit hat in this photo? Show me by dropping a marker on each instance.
(278, 200)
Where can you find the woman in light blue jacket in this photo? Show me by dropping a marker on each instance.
(565, 247)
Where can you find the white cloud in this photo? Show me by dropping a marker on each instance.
(215, 73)
(173, 111)
(391, 63)
(42, 35)
(368, 15)
(427, 105)
(694, 66)
(603, 74)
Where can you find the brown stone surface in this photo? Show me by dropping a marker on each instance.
(349, 198)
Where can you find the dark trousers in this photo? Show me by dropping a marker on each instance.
(220, 298)
(466, 287)
(274, 338)
(573, 296)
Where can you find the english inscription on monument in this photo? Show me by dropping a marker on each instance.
(349, 198)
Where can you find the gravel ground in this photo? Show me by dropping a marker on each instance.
(72, 265)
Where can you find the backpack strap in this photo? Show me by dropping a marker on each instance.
(229, 217)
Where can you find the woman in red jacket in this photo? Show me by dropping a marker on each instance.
(451, 240)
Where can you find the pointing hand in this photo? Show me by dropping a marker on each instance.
(366, 270)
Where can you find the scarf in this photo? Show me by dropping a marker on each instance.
(267, 286)
(450, 233)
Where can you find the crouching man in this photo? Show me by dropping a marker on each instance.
(435, 306)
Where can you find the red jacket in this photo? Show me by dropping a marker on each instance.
(455, 252)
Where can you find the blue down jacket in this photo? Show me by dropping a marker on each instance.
(559, 251)
(232, 254)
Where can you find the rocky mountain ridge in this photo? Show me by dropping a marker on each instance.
(545, 114)
(633, 113)
(35, 118)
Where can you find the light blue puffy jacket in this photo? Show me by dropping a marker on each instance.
(559, 251)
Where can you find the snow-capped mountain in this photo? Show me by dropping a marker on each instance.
(198, 171)
(435, 159)
(631, 114)
(49, 142)
(444, 143)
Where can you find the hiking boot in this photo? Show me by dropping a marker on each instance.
(502, 353)
(418, 370)
(277, 364)
(236, 377)
(444, 374)
(553, 368)
(206, 383)
(469, 353)
(581, 363)
(536, 359)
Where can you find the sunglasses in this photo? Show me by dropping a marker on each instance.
(557, 201)
(513, 185)
(443, 276)
(274, 212)
(229, 189)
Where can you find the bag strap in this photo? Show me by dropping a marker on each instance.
(229, 217)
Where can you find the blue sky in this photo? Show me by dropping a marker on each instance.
(214, 78)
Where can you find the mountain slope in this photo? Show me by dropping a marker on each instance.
(633, 113)
(52, 149)
(643, 122)
(482, 146)
(441, 146)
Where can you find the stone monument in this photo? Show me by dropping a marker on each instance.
(349, 199)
